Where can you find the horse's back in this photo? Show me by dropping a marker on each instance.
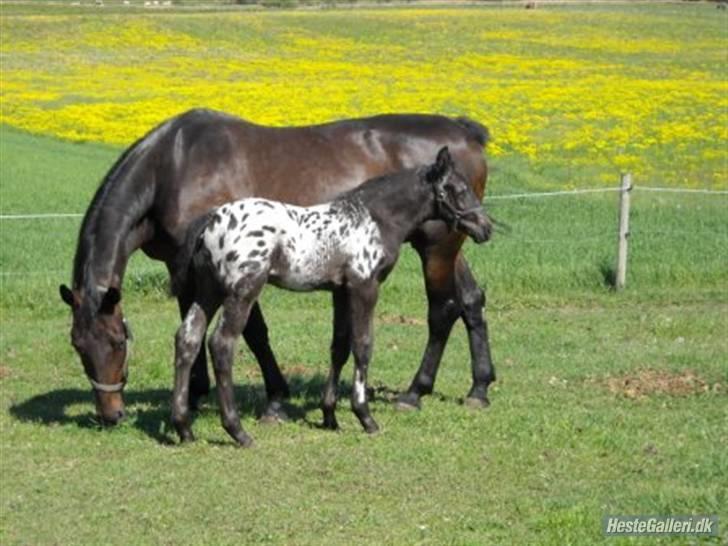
(209, 158)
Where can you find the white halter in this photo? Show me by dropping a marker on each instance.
(117, 387)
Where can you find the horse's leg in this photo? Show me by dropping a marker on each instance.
(442, 312)
(340, 349)
(452, 293)
(361, 302)
(256, 336)
(472, 301)
(236, 309)
(188, 341)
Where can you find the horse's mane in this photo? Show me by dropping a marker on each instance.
(90, 226)
(475, 130)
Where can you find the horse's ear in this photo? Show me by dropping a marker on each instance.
(442, 166)
(109, 301)
(66, 295)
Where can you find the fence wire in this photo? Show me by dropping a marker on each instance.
(575, 238)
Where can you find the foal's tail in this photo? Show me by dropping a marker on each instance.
(476, 131)
(184, 258)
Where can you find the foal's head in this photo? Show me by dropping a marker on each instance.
(100, 336)
(455, 202)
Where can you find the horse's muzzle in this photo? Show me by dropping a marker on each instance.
(110, 408)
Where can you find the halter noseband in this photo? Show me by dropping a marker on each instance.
(455, 215)
(117, 387)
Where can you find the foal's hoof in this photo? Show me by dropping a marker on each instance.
(274, 414)
(371, 427)
(476, 403)
(407, 402)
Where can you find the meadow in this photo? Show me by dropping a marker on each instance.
(606, 402)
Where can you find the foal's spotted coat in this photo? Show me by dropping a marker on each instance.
(298, 248)
(347, 246)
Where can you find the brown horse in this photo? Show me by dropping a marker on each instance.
(201, 159)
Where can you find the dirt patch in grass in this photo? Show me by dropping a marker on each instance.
(400, 319)
(4, 372)
(650, 382)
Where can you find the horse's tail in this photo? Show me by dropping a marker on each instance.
(184, 258)
(476, 131)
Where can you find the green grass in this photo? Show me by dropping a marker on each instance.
(606, 402)
(556, 451)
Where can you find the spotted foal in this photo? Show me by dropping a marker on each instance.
(347, 246)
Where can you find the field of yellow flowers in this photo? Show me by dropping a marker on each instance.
(575, 94)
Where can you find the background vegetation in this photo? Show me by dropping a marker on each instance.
(605, 403)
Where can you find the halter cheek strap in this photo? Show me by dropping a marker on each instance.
(455, 215)
(117, 387)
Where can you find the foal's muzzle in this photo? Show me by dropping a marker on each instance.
(474, 223)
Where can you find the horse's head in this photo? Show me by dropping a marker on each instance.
(455, 201)
(101, 337)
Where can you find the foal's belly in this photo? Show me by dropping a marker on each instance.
(306, 262)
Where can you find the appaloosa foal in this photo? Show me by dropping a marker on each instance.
(348, 246)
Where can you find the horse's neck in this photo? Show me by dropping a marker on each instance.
(400, 207)
(108, 237)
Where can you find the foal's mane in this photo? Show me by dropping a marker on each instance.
(386, 183)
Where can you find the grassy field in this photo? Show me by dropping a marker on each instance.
(606, 402)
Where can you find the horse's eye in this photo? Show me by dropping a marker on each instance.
(118, 344)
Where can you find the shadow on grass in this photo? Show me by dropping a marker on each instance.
(609, 274)
(150, 409)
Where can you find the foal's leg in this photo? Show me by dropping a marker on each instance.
(340, 349)
(188, 342)
(199, 380)
(236, 309)
(362, 301)
(256, 336)
(472, 301)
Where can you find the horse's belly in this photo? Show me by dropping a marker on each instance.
(307, 268)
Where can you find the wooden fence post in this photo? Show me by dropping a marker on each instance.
(625, 188)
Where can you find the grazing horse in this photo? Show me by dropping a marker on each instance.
(348, 246)
(201, 159)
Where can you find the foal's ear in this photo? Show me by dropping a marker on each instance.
(109, 301)
(442, 166)
(66, 295)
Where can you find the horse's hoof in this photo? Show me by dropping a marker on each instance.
(197, 401)
(244, 440)
(476, 403)
(407, 402)
(330, 422)
(270, 420)
(186, 438)
(274, 414)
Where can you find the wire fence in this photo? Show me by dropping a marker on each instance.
(577, 235)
